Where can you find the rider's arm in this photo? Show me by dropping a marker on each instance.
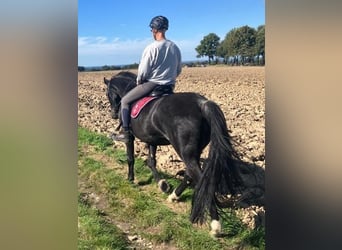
(145, 65)
(179, 67)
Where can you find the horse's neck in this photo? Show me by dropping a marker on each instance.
(126, 88)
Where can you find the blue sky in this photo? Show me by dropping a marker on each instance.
(116, 32)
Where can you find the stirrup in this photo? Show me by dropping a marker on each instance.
(123, 136)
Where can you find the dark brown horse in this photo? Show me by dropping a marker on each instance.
(187, 121)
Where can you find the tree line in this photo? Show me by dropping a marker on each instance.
(241, 46)
(108, 67)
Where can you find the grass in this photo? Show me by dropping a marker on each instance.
(94, 232)
(100, 142)
(143, 206)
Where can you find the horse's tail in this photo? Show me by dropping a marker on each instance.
(220, 174)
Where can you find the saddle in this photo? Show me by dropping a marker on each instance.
(162, 90)
(157, 92)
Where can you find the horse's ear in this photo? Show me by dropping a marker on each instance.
(106, 81)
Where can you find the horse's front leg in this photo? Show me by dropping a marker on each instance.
(130, 158)
(151, 162)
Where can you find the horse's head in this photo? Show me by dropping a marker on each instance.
(117, 87)
(113, 98)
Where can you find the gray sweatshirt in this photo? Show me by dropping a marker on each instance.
(160, 63)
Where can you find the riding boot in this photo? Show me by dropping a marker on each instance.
(124, 134)
(125, 118)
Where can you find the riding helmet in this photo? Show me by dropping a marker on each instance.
(159, 23)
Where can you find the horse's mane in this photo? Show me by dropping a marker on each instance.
(124, 78)
(125, 74)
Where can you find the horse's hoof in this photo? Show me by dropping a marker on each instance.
(215, 226)
(172, 197)
(164, 186)
(180, 173)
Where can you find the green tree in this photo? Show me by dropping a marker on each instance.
(208, 46)
(260, 43)
(105, 67)
(228, 47)
(239, 43)
(245, 39)
(222, 52)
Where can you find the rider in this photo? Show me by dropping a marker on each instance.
(160, 65)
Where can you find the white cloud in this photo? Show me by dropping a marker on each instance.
(101, 39)
(82, 41)
(104, 46)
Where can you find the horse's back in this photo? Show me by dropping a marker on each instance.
(170, 118)
(180, 104)
(177, 104)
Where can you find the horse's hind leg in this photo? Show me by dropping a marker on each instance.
(151, 162)
(192, 174)
(175, 195)
(215, 224)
